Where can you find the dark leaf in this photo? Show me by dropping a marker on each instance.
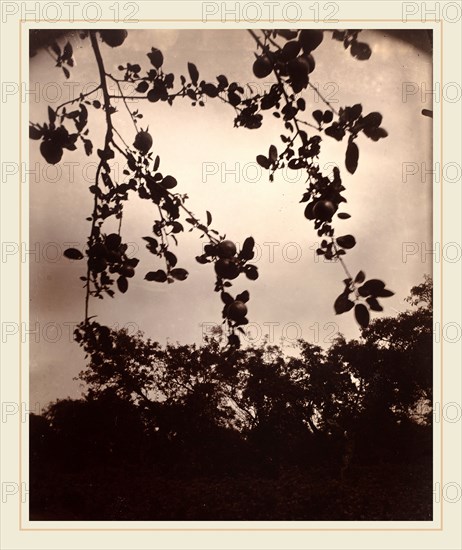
(362, 315)
(372, 120)
(263, 161)
(247, 249)
(343, 304)
(122, 284)
(67, 53)
(209, 217)
(142, 87)
(159, 276)
(374, 304)
(273, 153)
(318, 116)
(372, 287)
(51, 115)
(34, 133)
(352, 156)
(343, 216)
(202, 259)
(227, 298)
(375, 133)
(360, 277)
(243, 296)
(210, 89)
(327, 117)
(385, 293)
(335, 131)
(169, 182)
(251, 272)
(193, 73)
(355, 111)
(176, 227)
(339, 35)
(156, 57)
(179, 274)
(152, 244)
(171, 258)
(346, 241)
(360, 50)
(73, 254)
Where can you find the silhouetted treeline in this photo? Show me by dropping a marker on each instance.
(192, 412)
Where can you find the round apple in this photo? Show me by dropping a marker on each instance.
(262, 66)
(236, 311)
(324, 210)
(226, 249)
(143, 142)
(310, 39)
(51, 151)
(226, 268)
(114, 37)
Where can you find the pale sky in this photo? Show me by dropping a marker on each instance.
(199, 146)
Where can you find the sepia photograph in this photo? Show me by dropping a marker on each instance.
(231, 276)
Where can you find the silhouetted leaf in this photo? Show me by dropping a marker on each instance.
(159, 276)
(360, 277)
(373, 120)
(67, 52)
(179, 274)
(318, 116)
(34, 133)
(142, 87)
(263, 161)
(243, 296)
(335, 131)
(375, 133)
(327, 117)
(51, 115)
(156, 57)
(171, 258)
(193, 73)
(227, 298)
(372, 287)
(374, 304)
(360, 50)
(343, 304)
(346, 241)
(210, 89)
(209, 217)
(385, 293)
(251, 272)
(73, 254)
(273, 153)
(169, 182)
(122, 284)
(362, 315)
(343, 216)
(351, 157)
(247, 249)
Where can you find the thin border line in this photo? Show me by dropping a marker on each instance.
(20, 272)
(21, 528)
(441, 272)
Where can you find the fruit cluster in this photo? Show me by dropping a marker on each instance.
(229, 264)
(294, 60)
(110, 253)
